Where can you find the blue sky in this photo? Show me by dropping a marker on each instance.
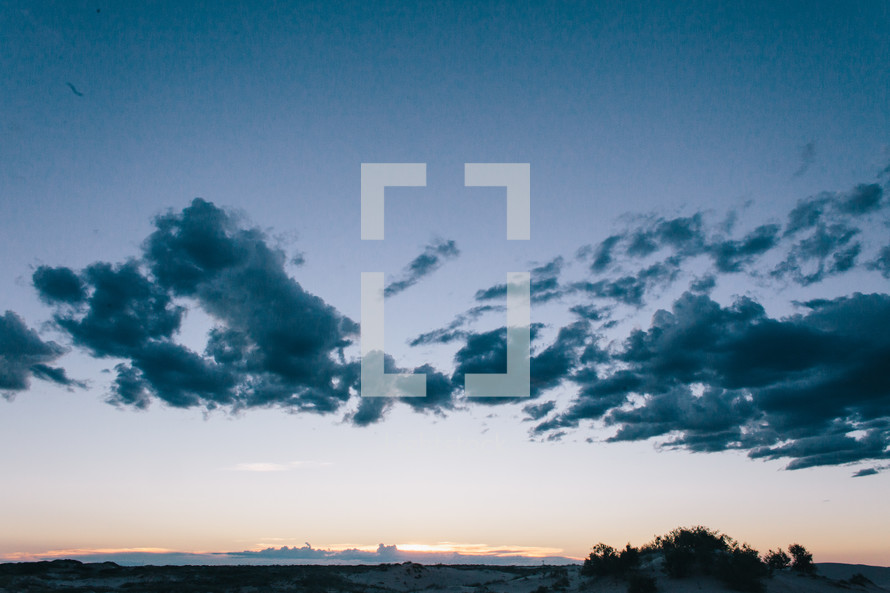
(179, 186)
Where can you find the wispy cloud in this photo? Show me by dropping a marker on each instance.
(432, 258)
(278, 467)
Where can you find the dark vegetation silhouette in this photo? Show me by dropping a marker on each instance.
(604, 560)
(692, 551)
(858, 579)
(641, 583)
(72, 576)
(802, 560)
(777, 560)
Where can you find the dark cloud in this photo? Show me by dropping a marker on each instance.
(130, 389)
(543, 286)
(835, 448)
(810, 388)
(541, 290)
(589, 312)
(596, 396)
(440, 396)
(555, 363)
(183, 378)
(24, 355)
(59, 285)
(685, 234)
(127, 315)
(453, 331)
(708, 422)
(828, 222)
(732, 255)
(274, 343)
(829, 250)
(383, 553)
(641, 243)
(486, 352)
(628, 289)
(834, 207)
(818, 240)
(282, 341)
(675, 240)
(370, 410)
(882, 262)
(602, 258)
(705, 284)
(389, 554)
(871, 471)
(631, 290)
(861, 200)
(123, 312)
(440, 392)
(807, 214)
(54, 375)
(432, 258)
(538, 411)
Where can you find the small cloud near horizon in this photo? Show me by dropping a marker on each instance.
(277, 467)
(438, 553)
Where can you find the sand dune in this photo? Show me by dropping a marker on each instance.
(70, 575)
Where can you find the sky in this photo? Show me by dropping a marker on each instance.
(180, 229)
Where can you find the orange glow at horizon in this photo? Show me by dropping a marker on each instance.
(460, 548)
(36, 556)
(464, 549)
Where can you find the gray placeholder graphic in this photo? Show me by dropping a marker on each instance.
(375, 381)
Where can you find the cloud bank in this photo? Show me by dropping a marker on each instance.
(809, 388)
(306, 554)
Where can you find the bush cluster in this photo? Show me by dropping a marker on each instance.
(605, 561)
(697, 550)
(690, 550)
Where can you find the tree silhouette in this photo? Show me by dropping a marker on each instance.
(777, 560)
(802, 560)
(604, 560)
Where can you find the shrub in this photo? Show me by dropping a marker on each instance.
(741, 569)
(561, 584)
(859, 580)
(602, 561)
(777, 560)
(803, 560)
(686, 547)
(638, 583)
(605, 561)
(678, 562)
(628, 559)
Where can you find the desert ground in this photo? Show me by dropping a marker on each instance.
(74, 576)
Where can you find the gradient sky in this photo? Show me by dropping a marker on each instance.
(181, 263)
